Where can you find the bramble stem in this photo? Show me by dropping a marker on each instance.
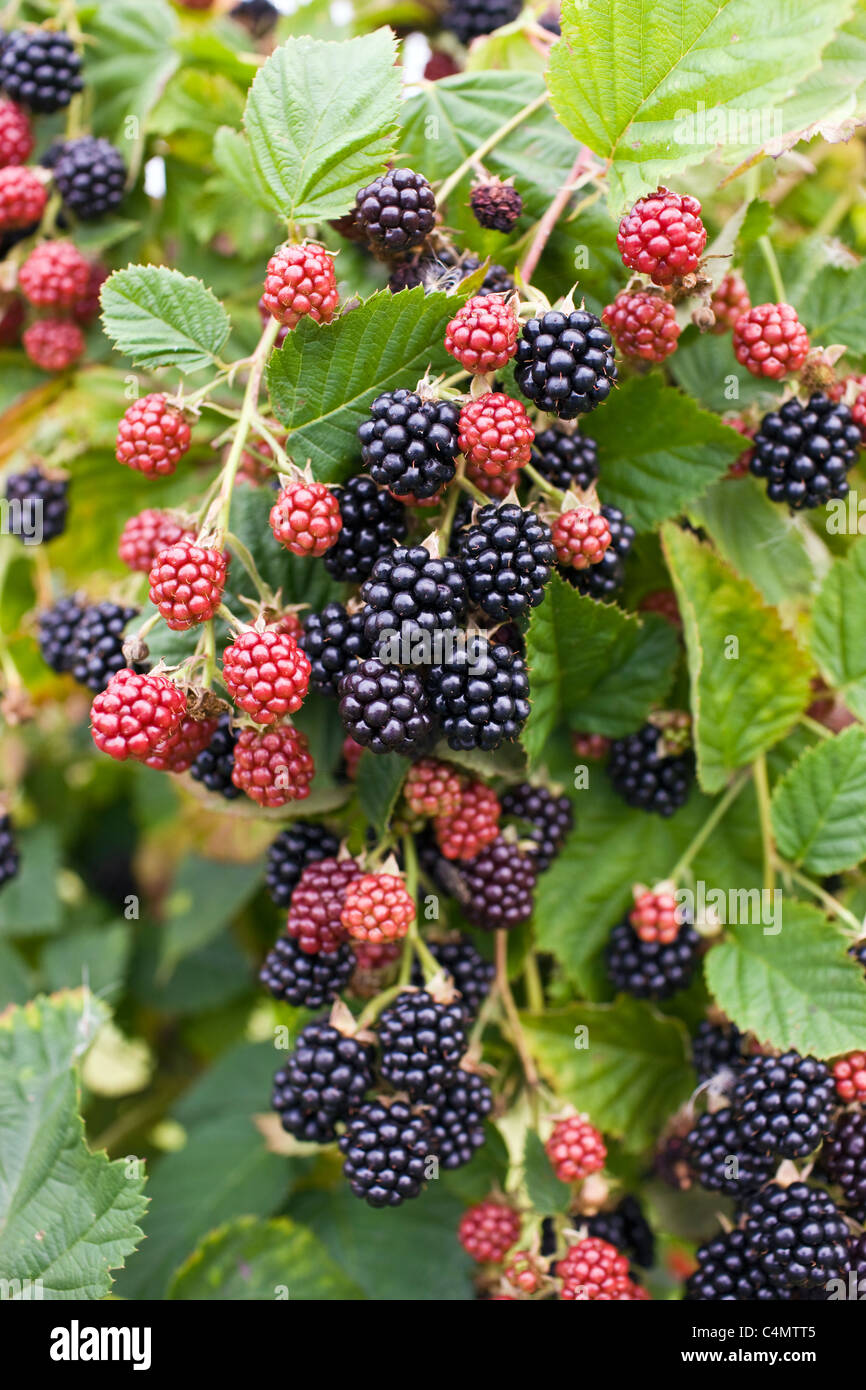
(550, 219)
(766, 247)
(542, 484)
(248, 410)
(487, 145)
(762, 789)
(832, 904)
(709, 825)
(503, 989)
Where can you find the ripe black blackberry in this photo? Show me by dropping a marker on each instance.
(496, 205)
(784, 1103)
(90, 176)
(469, 19)
(646, 777)
(651, 969)
(480, 695)
(40, 69)
(305, 981)
(410, 445)
(721, 1161)
(717, 1048)
(551, 818)
(627, 1228)
(858, 951)
(56, 627)
(566, 459)
(372, 521)
(843, 1156)
(421, 1043)
(498, 886)
(387, 1146)
(300, 844)
(565, 362)
(386, 709)
(471, 973)
(96, 650)
(323, 1081)
(604, 580)
(214, 765)
(415, 595)
(725, 1274)
(41, 502)
(334, 641)
(458, 1119)
(796, 1235)
(9, 860)
(397, 211)
(507, 555)
(260, 17)
(805, 451)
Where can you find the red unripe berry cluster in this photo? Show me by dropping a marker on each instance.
(575, 1149)
(482, 336)
(663, 236)
(306, 518)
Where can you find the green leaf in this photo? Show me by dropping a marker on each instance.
(547, 1194)
(265, 1260)
(798, 988)
(321, 122)
(705, 367)
(592, 666)
(756, 538)
(128, 58)
(205, 895)
(160, 318)
(67, 1216)
(834, 308)
(380, 779)
(659, 450)
(29, 905)
(839, 628)
(96, 957)
(325, 376)
(749, 679)
(819, 807)
(622, 1063)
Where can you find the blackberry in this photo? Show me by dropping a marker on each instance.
(214, 765)
(9, 860)
(386, 709)
(410, 445)
(260, 17)
(43, 504)
(844, 1156)
(386, 1148)
(324, 1080)
(565, 362)
(302, 843)
(805, 451)
(496, 279)
(721, 1161)
(56, 627)
(650, 969)
(604, 580)
(646, 778)
(421, 1043)
(90, 176)
(717, 1047)
(40, 69)
(858, 951)
(480, 695)
(566, 459)
(796, 1235)
(725, 1274)
(499, 886)
(372, 521)
(495, 205)
(507, 555)
(469, 19)
(471, 973)
(334, 642)
(551, 818)
(784, 1103)
(306, 981)
(627, 1228)
(414, 595)
(96, 650)
(458, 1119)
(397, 211)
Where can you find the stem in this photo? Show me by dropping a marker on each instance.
(772, 265)
(147, 626)
(248, 409)
(550, 219)
(209, 654)
(465, 486)
(814, 727)
(451, 507)
(487, 145)
(762, 789)
(375, 1006)
(532, 980)
(414, 944)
(542, 484)
(503, 989)
(832, 904)
(249, 564)
(709, 825)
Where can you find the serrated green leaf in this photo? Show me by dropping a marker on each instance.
(798, 988)
(819, 807)
(834, 308)
(204, 897)
(29, 904)
(704, 366)
(756, 537)
(265, 1260)
(160, 318)
(592, 666)
(379, 780)
(547, 1194)
(321, 122)
(839, 628)
(749, 679)
(129, 56)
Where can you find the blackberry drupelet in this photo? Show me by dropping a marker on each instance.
(470, 19)
(43, 502)
(627, 1228)
(96, 650)
(372, 521)
(784, 1103)
(717, 1047)
(458, 1119)
(713, 1143)
(306, 981)
(57, 626)
(499, 886)
(40, 69)
(725, 1274)
(507, 555)
(386, 709)
(410, 445)
(646, 778)
(214, 765)
(480, 695)
(323, 1081)
(421, 1043)
(334, 642)
(551, 817)
(9, 861)
(565, 362)
(844, 1156)
(805, 451)
(566, 459)
(387, 1147)
(302, 843)
(796, 1235)
(604, 580)
(649, 969)
(471, 973)
(415, 595)
(90, 176)
(397, 211)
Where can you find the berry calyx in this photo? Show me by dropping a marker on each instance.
(186, 584)
(300, 280)
(575, 1149)
(146, 534)
(769, 341)
(377, 908)
(432, 788)
(495, 434)
(152, 436)
(581, 535)
(465, 832)
(663, 236)
(54, 276)
(135, 714)
(53, 344)
(482, 336)
(306, 518)
(488, 1230)
(266, 673)
(644, 325)
(273, 766)
(317, 902)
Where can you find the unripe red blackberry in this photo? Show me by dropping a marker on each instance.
(266, 674)
(729, 301)
(575, 1149)
(317, 901)
(853, 388)
(387, 1147)
(550, 818)
(409, 444)
(12, 316)
(22, 198)
(16, 137)
(524, 1272)
(152, 436)
(432, 788)
(663, 236)
(351, 752)
(385, 709)
(495, 434)
(178, 752)
(655, 915)
(604, 580)
(644, 325)
(488, 1230)
(397, 210)
(53, 344)
(88, 305)
(592, 1270)
(54, 275)
(495, 205)
(273, 765)
(496, 488)
(663, 602)
(304, 981)
(377, 908)
(581, 535)
(323, 1081)
(146, 534)
(784, 1103)
(592, 746)
(300, 280)
(186, 584)
(566, 459)
(474, 824)
(770, 341)
(482, 336)
(849, 1074)
(334, 641)
(499, 886)
(135, 714)
(421, 1043)
(458, 1120)
(306, 518)
(565, 362)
